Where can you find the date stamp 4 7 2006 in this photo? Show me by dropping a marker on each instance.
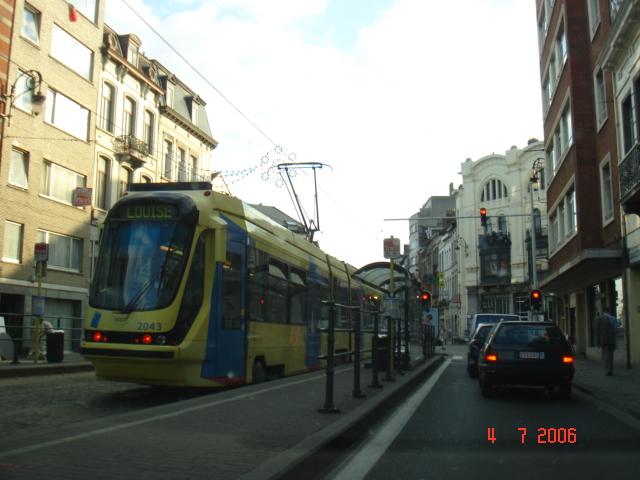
(545, 435)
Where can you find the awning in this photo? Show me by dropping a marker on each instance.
(379, 274)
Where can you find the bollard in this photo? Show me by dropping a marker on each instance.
(390, 351)
(357, 393)
(329, 406)
(375, 360)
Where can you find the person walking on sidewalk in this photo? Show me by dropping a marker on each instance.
(605, 331)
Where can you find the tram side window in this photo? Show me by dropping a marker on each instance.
(258, 271)
(231, 292)
(278, 284)
(298, 296)
(194, 290)
(341, 293)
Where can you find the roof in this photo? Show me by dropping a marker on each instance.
(379, 274)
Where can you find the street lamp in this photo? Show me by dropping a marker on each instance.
(33, 82)
(538, 166)
(459, 241)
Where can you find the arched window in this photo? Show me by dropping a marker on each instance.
(129, 124)
(493, 190)
(502, 224)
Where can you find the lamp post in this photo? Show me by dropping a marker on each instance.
(33, 82)
(537, 167)
(460, 241)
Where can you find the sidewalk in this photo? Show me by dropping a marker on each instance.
(71, 362)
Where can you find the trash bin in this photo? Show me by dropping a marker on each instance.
(55, 346)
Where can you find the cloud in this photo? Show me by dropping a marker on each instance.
(425, 86)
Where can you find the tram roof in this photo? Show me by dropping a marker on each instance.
(379, 274)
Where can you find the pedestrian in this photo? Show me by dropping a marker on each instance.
(442, 337)
(605, 331)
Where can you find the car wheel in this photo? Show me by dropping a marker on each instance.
(485, 388)
(564, 390)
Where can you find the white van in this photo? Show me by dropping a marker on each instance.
(485, 318)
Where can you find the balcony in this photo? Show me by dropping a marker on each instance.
(135, 149)
(629, 180)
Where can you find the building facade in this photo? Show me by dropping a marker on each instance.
(85, 115)
(585, 241)
(620, 56)
(47, 152)
(496, 271)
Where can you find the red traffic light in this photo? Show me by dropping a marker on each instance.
(535, 300)
(426, 296)
(483, 217)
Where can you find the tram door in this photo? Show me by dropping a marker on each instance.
(229, 325)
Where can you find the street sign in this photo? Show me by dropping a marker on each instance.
(391, 247)
(41, 252)
(82, 197)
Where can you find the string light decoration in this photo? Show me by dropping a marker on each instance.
(265, 166)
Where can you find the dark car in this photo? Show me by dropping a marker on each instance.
(475, 345)
(526, 353)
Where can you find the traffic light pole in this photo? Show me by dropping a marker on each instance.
(534, 265)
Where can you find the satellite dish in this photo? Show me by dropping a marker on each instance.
(6, 346)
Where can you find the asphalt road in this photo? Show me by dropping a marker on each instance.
(448, 431)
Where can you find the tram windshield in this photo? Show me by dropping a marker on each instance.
(140, 264)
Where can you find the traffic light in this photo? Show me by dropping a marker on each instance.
(535, 300)
(425, 300)
(483, 217)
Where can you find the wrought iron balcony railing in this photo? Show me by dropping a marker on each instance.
(131, 145)
(629, 172)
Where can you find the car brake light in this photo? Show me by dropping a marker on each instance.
(567, 359)
(491, 356)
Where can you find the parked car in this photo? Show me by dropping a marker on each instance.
(475, 345)
(492, 318)
(526, 353)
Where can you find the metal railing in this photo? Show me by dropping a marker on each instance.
(22, 331)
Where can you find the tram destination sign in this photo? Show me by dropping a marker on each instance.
(147, 212)
(391, 247)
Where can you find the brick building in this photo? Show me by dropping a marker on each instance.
(585, 242)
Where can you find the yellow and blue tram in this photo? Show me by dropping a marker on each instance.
(197, 288)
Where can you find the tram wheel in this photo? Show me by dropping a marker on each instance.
(259, 371)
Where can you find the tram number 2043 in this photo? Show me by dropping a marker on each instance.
(144, 326)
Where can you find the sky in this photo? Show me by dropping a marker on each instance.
(388, 96)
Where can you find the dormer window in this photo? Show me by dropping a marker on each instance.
(194, 113)
(132, 54)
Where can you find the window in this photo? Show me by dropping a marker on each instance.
(600, 90)
(494, 189)
(566, 128)
(168, 159)
(12, 242)
(125, 180)
(24, 92)
(64, 252)
(129, 124)
(149, 122)
(59, 183)
(502, 224)
(67, 115)
(594, 15)
(102, 183)
(628, 131)
(88, 8)
(194, 113)
(606, 189)
(132, 54)
(31, 24)
(563, 220)
(182, 171)
(71, 52)
(19, 169)
(169, 97)
(108, 98)
(195, 174)
(561, 46)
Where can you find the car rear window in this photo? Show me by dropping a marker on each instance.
(482, 333)
(495, 318)
(525, 334)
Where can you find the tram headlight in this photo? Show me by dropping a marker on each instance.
(161, 339)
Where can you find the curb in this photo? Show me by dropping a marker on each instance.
(320, 450)
(34, 370)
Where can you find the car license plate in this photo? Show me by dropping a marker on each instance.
(539, 355)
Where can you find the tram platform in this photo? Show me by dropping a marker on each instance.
(272, 430)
